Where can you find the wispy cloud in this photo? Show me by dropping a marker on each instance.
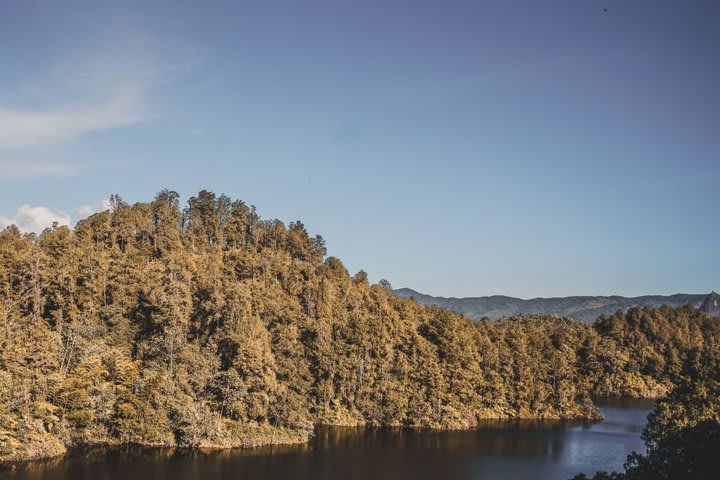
(106, 86)
(15, 169)
(25, 129)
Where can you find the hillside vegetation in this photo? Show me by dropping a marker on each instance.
(208, 326)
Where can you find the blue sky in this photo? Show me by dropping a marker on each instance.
(459, 148)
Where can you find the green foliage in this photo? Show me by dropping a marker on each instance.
(209, 326)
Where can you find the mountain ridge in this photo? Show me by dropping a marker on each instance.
(580, 307)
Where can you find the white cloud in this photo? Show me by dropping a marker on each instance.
(84, 211)
(35, 219)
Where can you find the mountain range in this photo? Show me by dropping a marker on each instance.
(586, 308)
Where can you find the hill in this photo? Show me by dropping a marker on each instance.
(580, 308)
(207, 326)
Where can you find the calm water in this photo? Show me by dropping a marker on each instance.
(512, 450)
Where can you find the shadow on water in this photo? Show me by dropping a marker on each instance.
(625, 403)
(498, 449)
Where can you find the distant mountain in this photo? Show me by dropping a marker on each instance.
(581, 308)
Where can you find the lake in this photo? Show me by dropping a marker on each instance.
(497, 450)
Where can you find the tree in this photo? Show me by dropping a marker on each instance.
(385, 284)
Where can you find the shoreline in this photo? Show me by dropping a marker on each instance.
(280, 437)
(56, 451)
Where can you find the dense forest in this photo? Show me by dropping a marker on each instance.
(209, 326)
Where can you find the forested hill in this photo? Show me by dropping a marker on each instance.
(207, 326)
(580, 308)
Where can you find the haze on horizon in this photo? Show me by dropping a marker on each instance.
(458, 148)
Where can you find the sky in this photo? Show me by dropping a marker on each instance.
(460, 148)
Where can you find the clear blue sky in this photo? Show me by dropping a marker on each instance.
(523, 148)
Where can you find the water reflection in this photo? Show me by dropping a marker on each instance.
(517, 450)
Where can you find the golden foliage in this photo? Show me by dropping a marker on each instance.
(209, 326)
